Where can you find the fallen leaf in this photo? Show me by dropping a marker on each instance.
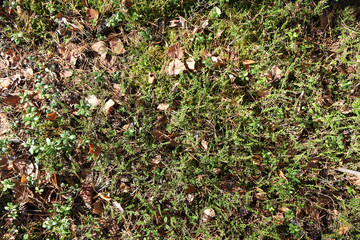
(274, 74)
(204, 144)
(156, 160)
(354, 180)
(207, 215)
(278, 218)
(11, 99)
(263, 93)
(100, 48)
(97, 207)
(84, 3)
(104, 196)
(177, 23)
(343, 229)
(175, 67)
(52, 116)
(127, 3)
(95, 150)
(93, 101)
(116, 45)
(28, 72)
(190, 63)
(151, 78)
(66, 73)
(217, 62)
(108, 108)
(118, 206)
(260, 194)
(6, 82)
(91, 14)
(247, 63)
(163, 106)
(175, 51)
(86, 193)
(23, 179)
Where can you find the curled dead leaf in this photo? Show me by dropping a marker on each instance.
(190, 63)
(247, 63)
(343, 229)
(274, 74)
(66, 73)
(91, 14)
(108, 108)
(151, 78)
(97, 207)
(216, 61)
(93, 101)
(100, 48)
(52, 116)
(207, 215)
(116, 45)
(175, 67)
(163, 106)
(11, 99)
(127, 3)
(95, 150)
(6, 82)
(86, 193)
(175, 51)
(118, 206)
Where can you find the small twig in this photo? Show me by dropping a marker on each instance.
(344, 170)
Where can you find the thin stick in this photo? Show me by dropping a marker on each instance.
(344, 170)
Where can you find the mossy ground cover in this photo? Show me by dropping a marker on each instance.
(179, 119)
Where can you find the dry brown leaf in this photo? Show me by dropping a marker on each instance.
(108, 108)
(116, 45)
(6, 82)
(118, 206)
(91, 14)
(156, 160)
(204, 144)
(207, 215)
(127, 3)
(263, 93)
(190, 63)
(100, 48)
(257, 159)
(66, 73)
(278, 218)
(151, 78)
(105, 196)
(343, 229)
(354, 180)
(93, 101)
(86, 193)
(5, 127)
(175, 51)
(84, 3)
(175, 67)
(28, 72)
(97, 207)
(52, 116)
(217, 62)
(23, 179)
(261, 194)
(163, 106)
(177, 23)
(274, 74)
(11, 99)
(95, 150)
(247, 63)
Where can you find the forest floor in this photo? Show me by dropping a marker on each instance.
(179, 119)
